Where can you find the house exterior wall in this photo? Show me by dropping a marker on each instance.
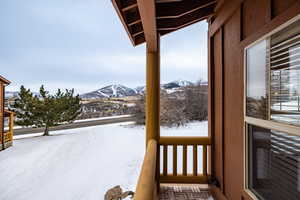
(1, 113)
(237, 24)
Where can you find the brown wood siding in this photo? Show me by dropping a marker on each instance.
(223, 14)
(256, 13)
(279, 6)
(218, 106)
(248, 20)
(233, 109)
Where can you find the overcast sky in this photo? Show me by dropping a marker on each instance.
(82, 44)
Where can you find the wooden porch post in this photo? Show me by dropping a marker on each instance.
(153, 96)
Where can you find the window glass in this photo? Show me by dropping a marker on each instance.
(274, 164)
(273, 77)
(285, 75)
(257, 102)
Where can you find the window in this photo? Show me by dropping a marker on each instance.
(272, 115)
(274, 167)
(257, 81)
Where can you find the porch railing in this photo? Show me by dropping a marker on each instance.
(149, 179)
(9, 133)
(147, 185)
(184, 177)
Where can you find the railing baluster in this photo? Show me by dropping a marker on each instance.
(165, 164)
(174, 160)
(184, 160)
(204, 160)
(195, 160)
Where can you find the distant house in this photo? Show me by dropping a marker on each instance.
(6, 133)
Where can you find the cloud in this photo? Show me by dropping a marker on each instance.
(82, 44)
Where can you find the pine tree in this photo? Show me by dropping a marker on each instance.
(46, 110)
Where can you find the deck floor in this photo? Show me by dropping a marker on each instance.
(185, 192)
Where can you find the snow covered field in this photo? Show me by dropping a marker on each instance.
(78, 164)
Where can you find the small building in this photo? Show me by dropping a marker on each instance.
(253, 147)
(6, 118)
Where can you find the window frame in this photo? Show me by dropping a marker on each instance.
(264, 123)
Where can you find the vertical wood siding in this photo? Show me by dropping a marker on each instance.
(218, 105)
(279, 6)
(237, 23)
(233, 108)
(256, 13)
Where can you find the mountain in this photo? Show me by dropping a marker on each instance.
(11, 94)
(110, 91)
(15, 94)
(118, 90)
(140, 89)
(123, 91)
(176, 84)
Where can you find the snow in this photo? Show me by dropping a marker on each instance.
(183, 83)
(80, 120)
(102, 118)
(103, 94)
(287, 106)
(78, 164)
(114, 90)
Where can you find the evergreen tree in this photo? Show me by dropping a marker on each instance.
(46, 110)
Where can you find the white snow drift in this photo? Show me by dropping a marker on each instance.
(79, 164)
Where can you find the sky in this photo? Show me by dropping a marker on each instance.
(82, 44)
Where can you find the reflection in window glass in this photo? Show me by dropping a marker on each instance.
(274, 164)
(257, 81)
(285, 75)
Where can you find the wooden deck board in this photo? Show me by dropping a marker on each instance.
(185, 192)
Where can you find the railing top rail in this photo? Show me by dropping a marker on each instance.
(146, 183)
(185, 140)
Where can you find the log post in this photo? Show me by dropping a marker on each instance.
(153, 104)
(152, 96)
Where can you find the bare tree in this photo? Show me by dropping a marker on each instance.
(140, 111)
(172, 110)
(189, 103)
(196, 102)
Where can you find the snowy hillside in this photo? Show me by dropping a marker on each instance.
(176, 84)
(118, 90)
(78, 164)
(140, 89)
(110, 91)
(123, 91)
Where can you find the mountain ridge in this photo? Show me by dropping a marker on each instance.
(126, 91)
(119, 90)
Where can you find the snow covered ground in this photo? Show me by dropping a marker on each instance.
(76, 121)
(78, 164)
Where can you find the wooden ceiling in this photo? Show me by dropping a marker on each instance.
(171, 15)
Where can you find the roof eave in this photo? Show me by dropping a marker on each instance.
(123, 21)
(4, 80)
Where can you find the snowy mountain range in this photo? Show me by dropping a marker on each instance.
(118, 90)
(176, 84)
(123, 91)
(110, 91)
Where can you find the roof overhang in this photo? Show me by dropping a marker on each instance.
(140, 17)
(4, 80)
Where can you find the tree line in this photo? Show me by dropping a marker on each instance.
(187, 104)
(46, 110)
